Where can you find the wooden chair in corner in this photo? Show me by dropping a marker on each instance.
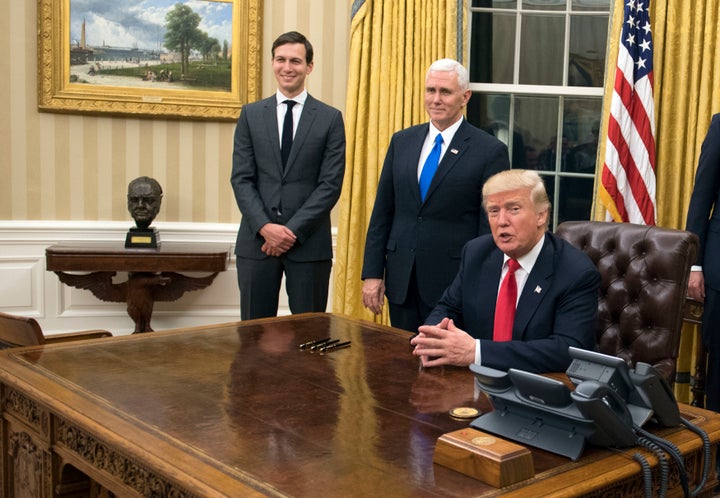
(17, 331)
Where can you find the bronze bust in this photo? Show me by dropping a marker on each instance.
(143, 200)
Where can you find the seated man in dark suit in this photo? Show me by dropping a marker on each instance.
(555, 299)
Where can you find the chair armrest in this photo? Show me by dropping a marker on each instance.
(76, 336)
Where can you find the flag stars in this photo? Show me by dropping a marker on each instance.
(640, 63)
(630, 39)
(645, 45)
(646, 27)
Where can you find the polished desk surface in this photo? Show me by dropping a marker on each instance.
(238, 408)
(113, 256)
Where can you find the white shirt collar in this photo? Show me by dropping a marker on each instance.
(300, 99)
(448, 133)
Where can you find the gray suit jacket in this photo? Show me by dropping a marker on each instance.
(301, 195)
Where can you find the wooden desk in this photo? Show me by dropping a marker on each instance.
(239, 410)
(152, 273)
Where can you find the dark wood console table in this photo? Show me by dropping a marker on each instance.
(153, 274)
(239, 409)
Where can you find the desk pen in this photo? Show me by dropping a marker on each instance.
(321, 346)
(333, 347)
(313, 343)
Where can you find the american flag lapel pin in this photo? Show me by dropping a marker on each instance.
(538, 290)
(454, 151)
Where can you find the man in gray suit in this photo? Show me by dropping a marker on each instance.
(419, 225)
(288, 167)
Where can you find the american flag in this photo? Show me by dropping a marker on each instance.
(628, 175)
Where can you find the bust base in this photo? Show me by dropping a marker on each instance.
(142, 238)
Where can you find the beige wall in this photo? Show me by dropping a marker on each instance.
(76, 167)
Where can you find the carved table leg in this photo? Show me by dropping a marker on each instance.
(140, 291)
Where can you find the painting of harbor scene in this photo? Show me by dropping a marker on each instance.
(168, 44)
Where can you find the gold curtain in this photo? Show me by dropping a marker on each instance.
(391, 46)
(687, 93)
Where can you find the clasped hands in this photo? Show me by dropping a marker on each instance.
(443, 344)
(278, 239)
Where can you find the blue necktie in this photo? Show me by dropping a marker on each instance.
(287, 132)
(431, 164)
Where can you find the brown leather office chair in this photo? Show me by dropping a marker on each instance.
(16, 331)
(645, 271)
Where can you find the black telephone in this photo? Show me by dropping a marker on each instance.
(609, 401)
(543, 412)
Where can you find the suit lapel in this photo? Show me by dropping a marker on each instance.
(536, 287)
(270, 123)
(487, 294)
(410, 167)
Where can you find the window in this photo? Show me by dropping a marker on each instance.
(537, 72)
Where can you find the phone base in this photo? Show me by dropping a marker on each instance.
(485, 457)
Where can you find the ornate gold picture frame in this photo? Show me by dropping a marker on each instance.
(157, 76)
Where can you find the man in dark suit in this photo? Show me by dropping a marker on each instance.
(285, 188)
(703, 219)
(413, 240)
(556, 299)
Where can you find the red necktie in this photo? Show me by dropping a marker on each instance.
(505, 307)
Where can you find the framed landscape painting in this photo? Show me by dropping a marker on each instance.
(196, 59)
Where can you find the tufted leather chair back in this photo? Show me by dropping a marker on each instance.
(645, 271)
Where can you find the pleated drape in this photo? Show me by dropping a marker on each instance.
(391, 46)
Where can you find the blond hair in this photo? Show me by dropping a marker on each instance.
(513, 179)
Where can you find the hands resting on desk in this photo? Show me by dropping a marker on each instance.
(443, 344)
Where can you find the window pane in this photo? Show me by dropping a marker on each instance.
(491, 112)
(541, 48)
(496, 4)
(536, 122)
(588, 36)
(544, 4)
(492, 48)
(581, 125)
(594, 5)
(575, 200)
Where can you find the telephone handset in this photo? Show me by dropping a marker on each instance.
(656, 393)
(604, 406)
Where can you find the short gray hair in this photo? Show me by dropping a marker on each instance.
(452, 65)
